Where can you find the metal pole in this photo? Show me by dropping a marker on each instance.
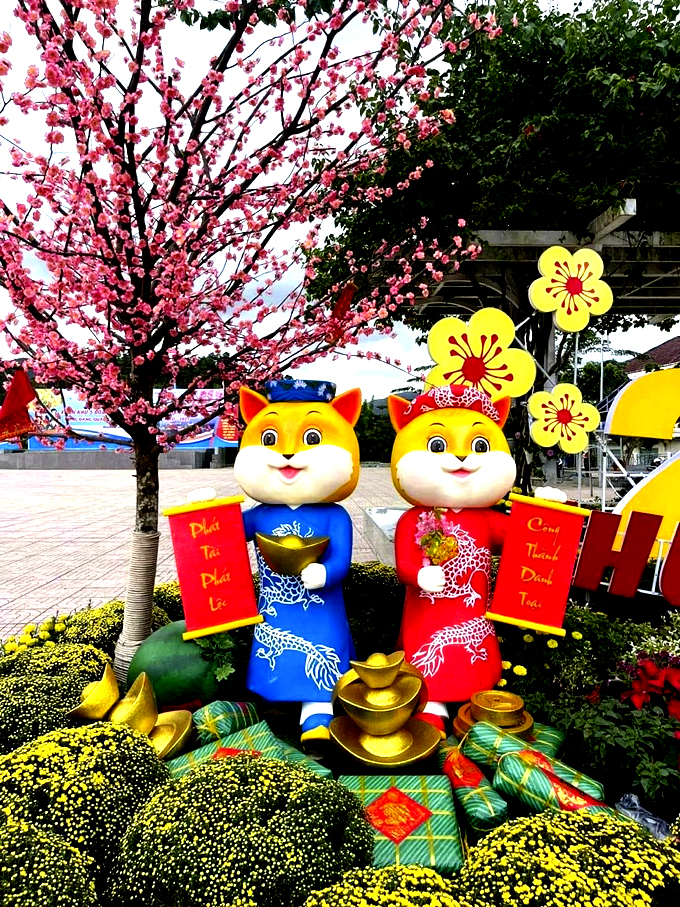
(601, 450)
(579, 464)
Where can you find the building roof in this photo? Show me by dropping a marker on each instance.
(665, 355)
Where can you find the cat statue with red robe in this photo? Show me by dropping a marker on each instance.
(451, 461)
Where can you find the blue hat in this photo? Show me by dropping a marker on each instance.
(286, 390)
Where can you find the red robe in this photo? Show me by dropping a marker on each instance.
(445, 634)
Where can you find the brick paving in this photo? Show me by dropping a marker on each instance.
(65, 536)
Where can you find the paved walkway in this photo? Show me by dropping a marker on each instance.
(65, 536)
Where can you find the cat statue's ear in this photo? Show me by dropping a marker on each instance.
(250, 403)
(348, 405)
(503, 406)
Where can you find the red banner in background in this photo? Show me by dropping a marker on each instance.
(534, 577)
(213, 567)
(14, 418)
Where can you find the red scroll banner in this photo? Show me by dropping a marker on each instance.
(213, 567)
(537, 563)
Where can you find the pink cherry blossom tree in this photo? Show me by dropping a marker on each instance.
(150, 216)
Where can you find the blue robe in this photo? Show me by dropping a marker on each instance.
(304, 644)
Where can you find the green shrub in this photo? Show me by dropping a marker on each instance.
(391, 886)
(83, 662)
(240, 831)
(632, 751)
(84, 784)
(374, 600)
(102, 626)
(32, 706)
(38, 868)
(559, 859)
(167, 597)
(541, 667)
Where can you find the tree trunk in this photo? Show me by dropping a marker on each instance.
(143, 558)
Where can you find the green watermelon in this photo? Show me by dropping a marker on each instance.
(178, 672)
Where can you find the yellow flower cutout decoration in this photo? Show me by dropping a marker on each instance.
(570, 287)
(562, 418)
(476, 355)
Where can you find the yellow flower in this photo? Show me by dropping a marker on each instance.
(506, 665)
(502, 682)
(520, 670)
(552, 643)
(570, 287)
(528, 637)
(577, 635)
(476, 354)
(562, 418)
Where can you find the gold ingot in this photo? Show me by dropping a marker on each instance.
(379, 670)
(171, 732)
(288, 555)
(382, 711)
(415, 741)
(138, 707)
(97, 697)
(497, 707)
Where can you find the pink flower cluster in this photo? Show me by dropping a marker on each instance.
(161, 222)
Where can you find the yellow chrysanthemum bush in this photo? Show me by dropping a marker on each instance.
(99, 627)
(34, 705)
(38, 868)
(562, 859)
(83, 784)
(390, 886)
(84, 662)
(241, 831)
(168, 598)
(102, 626)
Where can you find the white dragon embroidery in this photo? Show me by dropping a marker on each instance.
(322, 664)
(469, 559)
(470, 634)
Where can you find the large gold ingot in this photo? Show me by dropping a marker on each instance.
(381, 711)
(288, 555)
(380, 695)
(138, 707)
(97, 697)
(171, 732)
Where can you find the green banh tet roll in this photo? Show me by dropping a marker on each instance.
(483, 806)
(485, 744)
(256, 739)
(538, 788)
(219, 719)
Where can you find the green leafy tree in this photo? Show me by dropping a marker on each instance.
(563, 118)
(549, 127)
(375, 433)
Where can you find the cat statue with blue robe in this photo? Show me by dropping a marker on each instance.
(298, 457)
